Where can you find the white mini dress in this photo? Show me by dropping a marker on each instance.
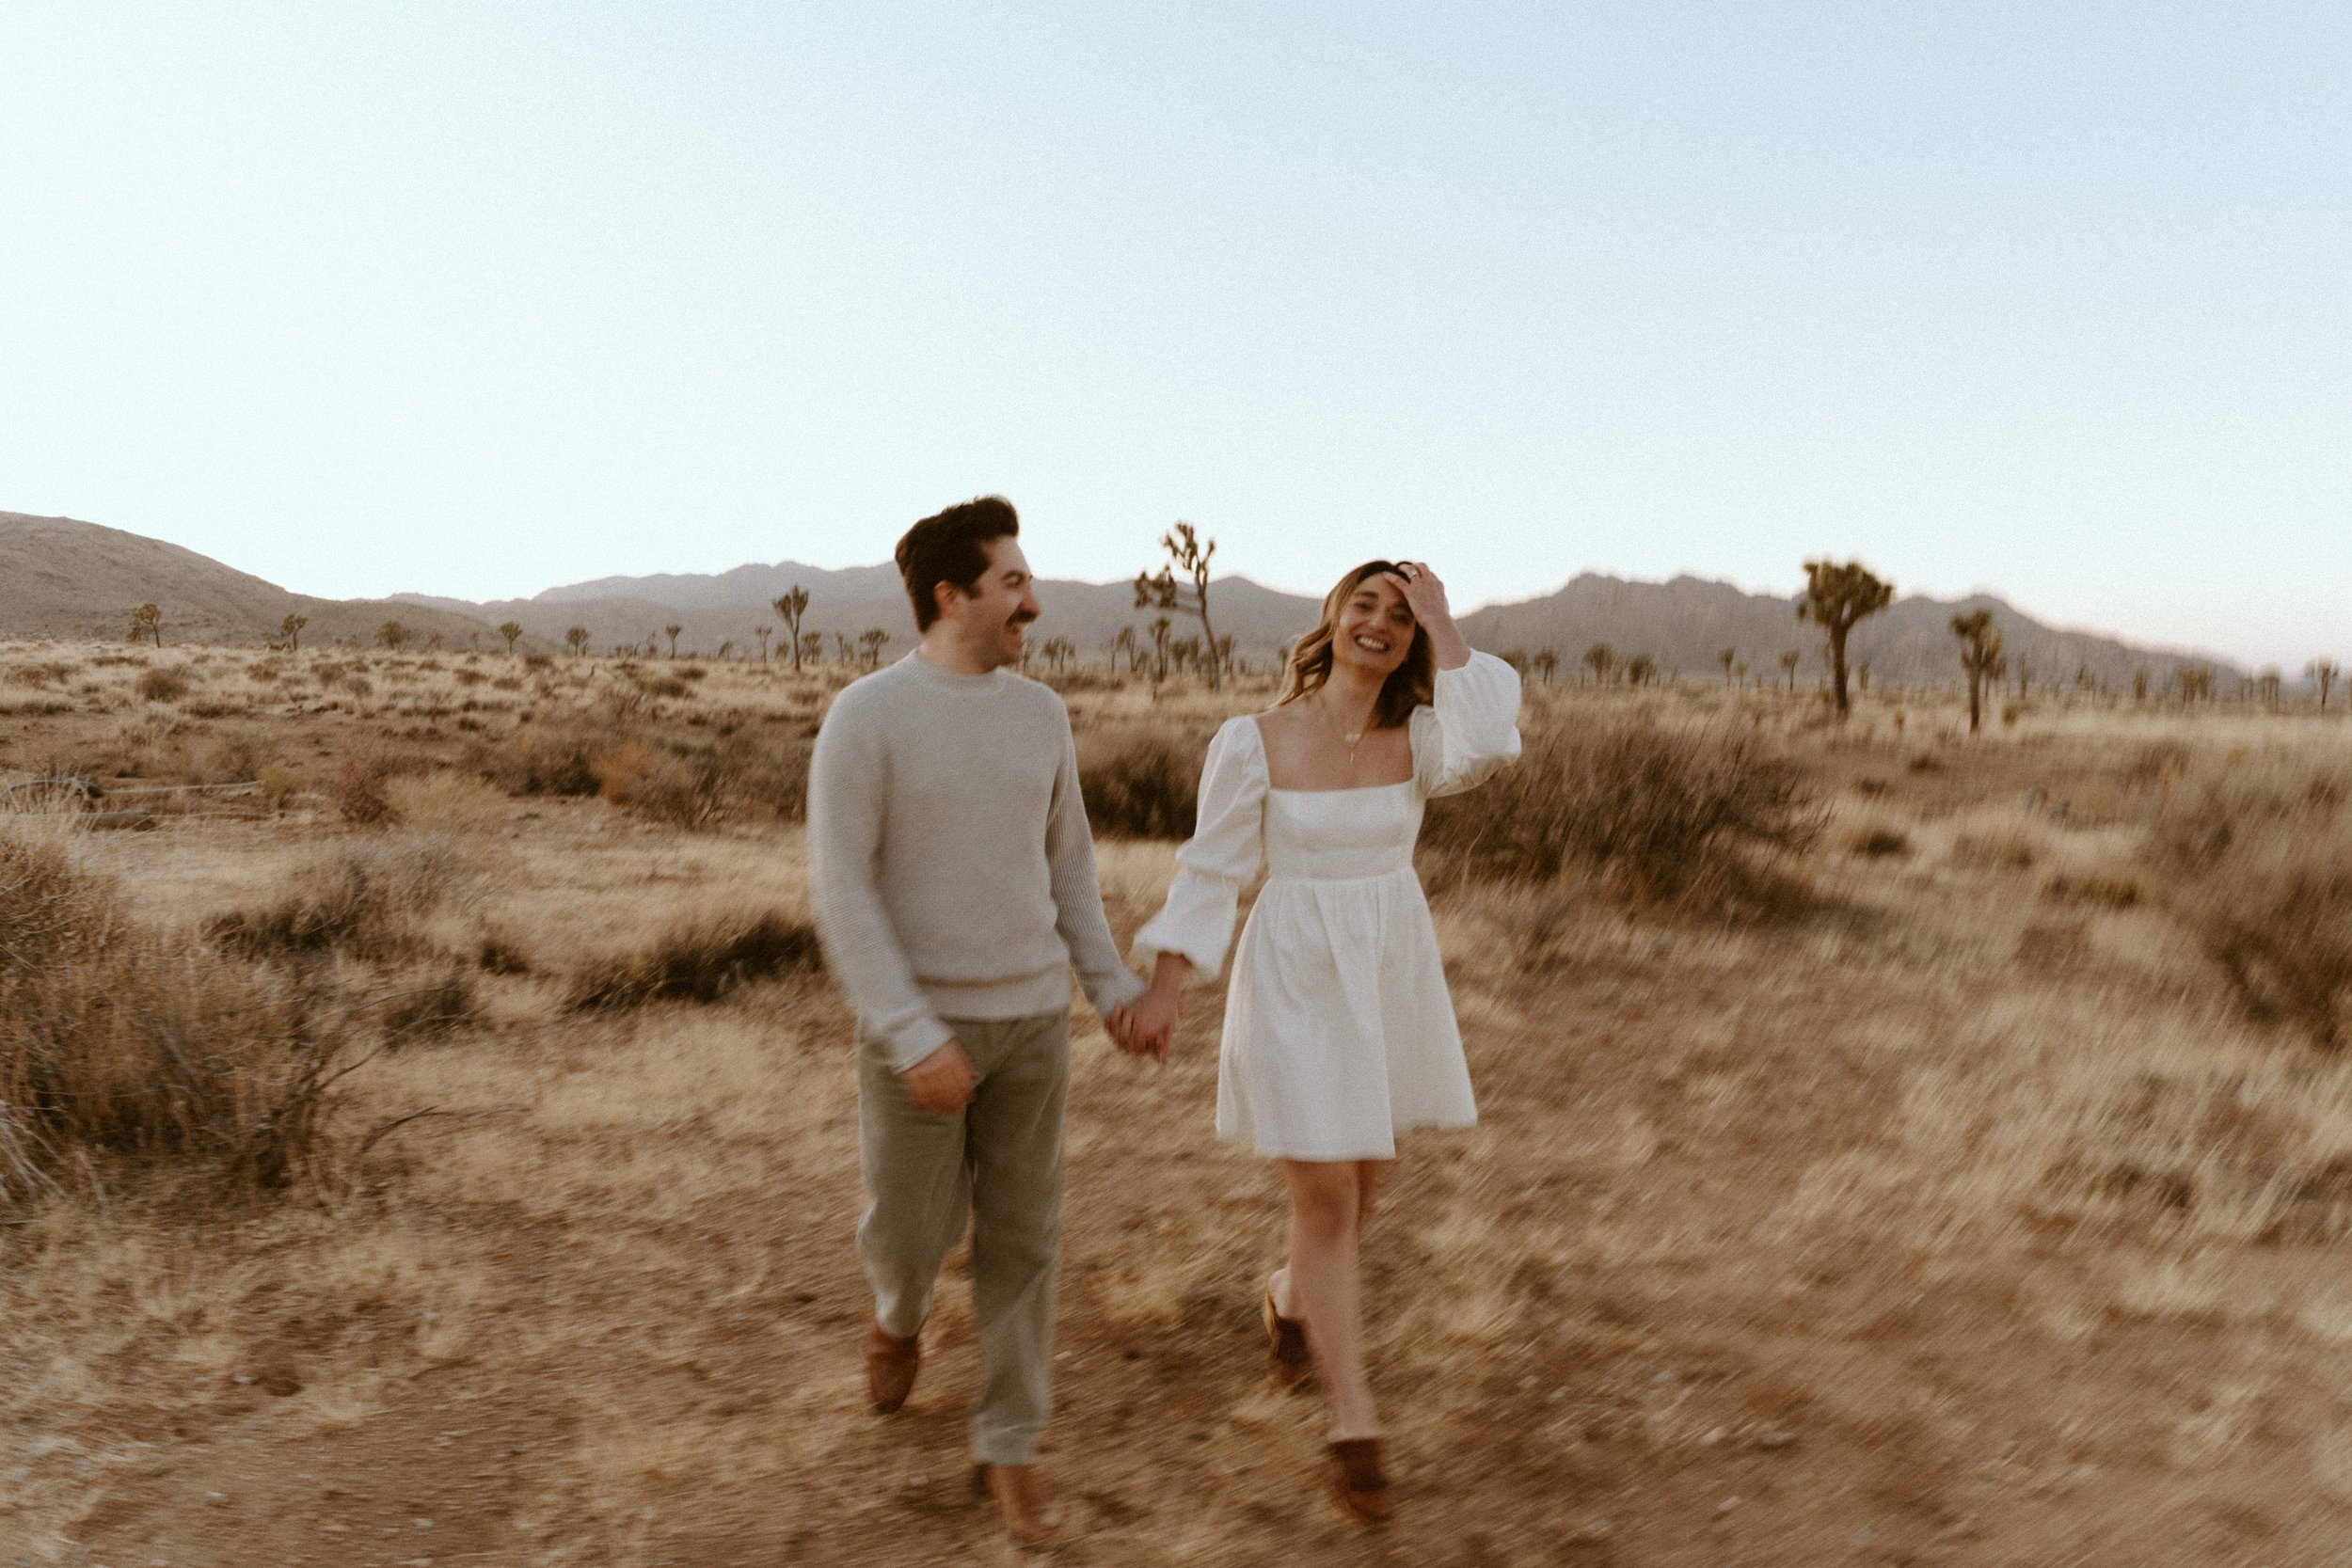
(1339, 1030)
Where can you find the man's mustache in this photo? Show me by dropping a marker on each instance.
(1021, 618)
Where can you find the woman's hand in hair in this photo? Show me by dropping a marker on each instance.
(1424, 596)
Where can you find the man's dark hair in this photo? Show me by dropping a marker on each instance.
(952, 546)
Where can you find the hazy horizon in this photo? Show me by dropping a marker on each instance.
(2038, 303)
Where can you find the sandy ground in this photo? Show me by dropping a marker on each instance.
(1952, 1224)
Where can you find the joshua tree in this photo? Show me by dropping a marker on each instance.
(1835, 598)
(1545, 661)
(1188, 553)
(1790, 662)
(1057, 652)
(726, 648)
(1980, 656)
(812, 646)
(392, 635)
(291, 629)
(2267, 685)
(1641, 670)
(671, 632)
(789, 609)
(1600, 658)
(576, 638)
(513, 632)
(2323, 673)
(763, 633)
(1122, 646)
(1725, 658)
(870, 643)
(1862, 677)
(1161, 625)
(148, 621)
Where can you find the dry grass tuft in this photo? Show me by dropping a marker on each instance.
(2258, 855)
(163, 686)
(2104, 889)
(444, 801)
(1656, 810)
(442, 1005)
(362, 787)
(361, 899)
(699, 960)
(1140, 783)
(1996, 850)
(1878, 842)
(117, 1040)
(540, 758)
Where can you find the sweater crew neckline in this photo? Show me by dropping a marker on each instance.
(924, 670)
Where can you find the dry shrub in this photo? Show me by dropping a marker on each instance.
(362, 787)
(117, 1040)
(2001, 849)
(238, 757)
(540, 758)
(281, 784)
(1654, 811)
(2106, 888)
(46, 673)
(687, 782)
(164, 685)
(148, 747)
(445, 802)
(699, 960)
(1140, 783)
(361, 899)
(653, 780)
(500, 954)
(1878, 841)
(441, 1006)
(2258, 859)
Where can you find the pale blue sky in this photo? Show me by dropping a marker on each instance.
(2052, 298)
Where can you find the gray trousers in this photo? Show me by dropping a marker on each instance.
(998, 1162)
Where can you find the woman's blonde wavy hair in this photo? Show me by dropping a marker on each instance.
(1409, 685)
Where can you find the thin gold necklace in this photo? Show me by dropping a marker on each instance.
(1350, 741)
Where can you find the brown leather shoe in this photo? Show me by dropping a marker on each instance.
(1028, 1513)
(891, 1364)
(1288, 1361)
(1360, 1483)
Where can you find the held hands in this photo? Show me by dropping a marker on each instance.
(941, 1081)
(1145, 1026)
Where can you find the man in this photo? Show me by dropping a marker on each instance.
(955, 888)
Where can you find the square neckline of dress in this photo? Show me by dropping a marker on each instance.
(1273, 788)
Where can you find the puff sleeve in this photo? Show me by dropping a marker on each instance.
(1471, 731)
(1222, 857)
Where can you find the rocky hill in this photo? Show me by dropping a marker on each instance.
(60, 578)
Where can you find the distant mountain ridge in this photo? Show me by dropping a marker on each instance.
(63, 577)
(60, 577)
(1683, 624)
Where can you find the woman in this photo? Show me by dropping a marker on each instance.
(1339, 1032)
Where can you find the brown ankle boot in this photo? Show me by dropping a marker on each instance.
(1288, 1362)
(1028, 1513)
(1359, 1482)
(891, 1364)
